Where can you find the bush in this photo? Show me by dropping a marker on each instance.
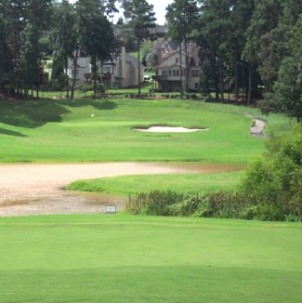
(153, 203)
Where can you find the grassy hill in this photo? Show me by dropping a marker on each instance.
(101, 130)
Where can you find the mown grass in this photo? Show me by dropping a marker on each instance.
(101, 130)
(123, 258)
(180, 183)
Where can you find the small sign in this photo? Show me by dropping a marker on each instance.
(110, 209)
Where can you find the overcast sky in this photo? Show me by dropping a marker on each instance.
(159, 9)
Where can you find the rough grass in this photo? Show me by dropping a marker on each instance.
(122, 258)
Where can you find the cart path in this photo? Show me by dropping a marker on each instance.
(35, 189)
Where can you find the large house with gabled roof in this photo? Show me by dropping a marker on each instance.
(120, 72)
(171, 65)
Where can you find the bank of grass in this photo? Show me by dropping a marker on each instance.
(123, 258)
(180, 183)
(101, 130)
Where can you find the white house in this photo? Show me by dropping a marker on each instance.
(122, 71)
(171, 68)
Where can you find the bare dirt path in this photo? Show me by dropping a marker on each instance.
(33, 189)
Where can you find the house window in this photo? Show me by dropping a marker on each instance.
(176, 60)
(169, 72)
(74, 73)
(107, 70)
(195, 73)
(176, 73)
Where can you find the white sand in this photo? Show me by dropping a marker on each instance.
(169, 129)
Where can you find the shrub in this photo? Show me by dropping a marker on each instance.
(153, 203)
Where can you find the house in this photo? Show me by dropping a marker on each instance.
(120, 72)
(171, 66)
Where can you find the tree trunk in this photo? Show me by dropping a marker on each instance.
(67, 80)
(249, 95)
(236, 78)
(139, 67)
(181, 73)
(221, 77)
(94, 73)
(75, 64)
(187, 69)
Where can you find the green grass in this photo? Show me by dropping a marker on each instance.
(182, 183)
(65, 131)
(122, 258)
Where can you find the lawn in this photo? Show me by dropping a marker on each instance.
(101, 130)
(122, 258)
(181, 183)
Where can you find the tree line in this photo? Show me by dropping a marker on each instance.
(32, 31)
(251, 48)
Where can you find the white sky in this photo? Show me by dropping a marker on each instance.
(159, 9)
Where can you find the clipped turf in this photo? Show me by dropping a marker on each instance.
(182, 183)
(123, 258)
(101, 130)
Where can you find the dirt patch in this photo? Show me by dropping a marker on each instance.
(35, 189)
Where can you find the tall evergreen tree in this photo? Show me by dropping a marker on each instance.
(65, 42)
(140, 17)
(288, 88)
(96, 34)
(265, 18)
(241, 12)
(2, 42)
(28, 66)
(214, 36)
(182, 16)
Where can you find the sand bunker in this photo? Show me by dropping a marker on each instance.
(169, 129)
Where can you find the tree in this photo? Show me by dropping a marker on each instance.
(182, 16)
(2, 42)
(96, 35)
(28, 61)
(288, 88)
(274, 182)
(241, 12)
(214, 38)
(140, 17)
(65, 42)
(25, 23)
(265, 18)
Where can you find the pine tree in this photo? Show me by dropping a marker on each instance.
(65, 42)
(214, 36)
(140, 17)
(182, 16)
(96, 34)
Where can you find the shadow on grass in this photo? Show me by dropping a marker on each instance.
(97, 104)
(8, 132)
(36, 113)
